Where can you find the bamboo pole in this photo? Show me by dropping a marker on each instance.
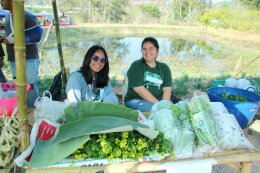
(57, 27)
(19, 48)
(250, 62)
(20, 56)
(46, 38)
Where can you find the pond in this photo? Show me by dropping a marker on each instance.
(196, 58)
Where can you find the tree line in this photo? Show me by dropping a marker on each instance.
(132, 12)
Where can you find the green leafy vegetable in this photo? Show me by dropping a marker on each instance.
(237, 98)
(74, 134)
(122, 145)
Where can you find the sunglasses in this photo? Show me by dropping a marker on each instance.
(96, 58)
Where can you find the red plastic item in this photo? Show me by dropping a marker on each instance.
(7, 105)
(46, 131)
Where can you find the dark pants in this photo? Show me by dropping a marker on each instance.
(2, 76)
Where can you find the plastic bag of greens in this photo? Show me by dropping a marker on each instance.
(163, 104)
(218, 107)
(164, 122)
(183, 105)
(199, 102)
(205, 129)
(184, 142)
(229, 130)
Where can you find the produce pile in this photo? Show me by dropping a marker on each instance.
(8, 139)
(95, 130)
(236, 98)
(196, 126)
(123, 145)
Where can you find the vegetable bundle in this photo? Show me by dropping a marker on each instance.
(123, 145)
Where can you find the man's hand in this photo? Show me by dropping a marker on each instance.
(4, 40)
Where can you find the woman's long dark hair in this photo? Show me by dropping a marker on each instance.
(102, 76)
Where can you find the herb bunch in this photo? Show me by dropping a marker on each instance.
(131, 145)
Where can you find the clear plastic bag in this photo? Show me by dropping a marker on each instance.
(229, 130)
(163, 122)
(184, 141)
(46, 108)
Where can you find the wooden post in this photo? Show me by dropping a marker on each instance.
(20, 59)
(57, 28)
(246, 167)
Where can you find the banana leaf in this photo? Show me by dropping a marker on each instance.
(92, 109)
(45, 155)
(74, 134)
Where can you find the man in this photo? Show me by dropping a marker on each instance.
(33, 33)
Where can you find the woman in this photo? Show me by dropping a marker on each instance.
(148, 80)
(91, 82)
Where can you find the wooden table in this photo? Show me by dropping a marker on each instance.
(244, 157)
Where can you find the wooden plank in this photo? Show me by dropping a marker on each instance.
(246, 167)
(245, 157)
(236, 168)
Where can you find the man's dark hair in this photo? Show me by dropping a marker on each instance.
(152, 40)
(102, 76)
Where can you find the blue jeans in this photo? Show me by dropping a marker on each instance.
(139, 104)
(2, 76)
(145, 106)
(32, 70)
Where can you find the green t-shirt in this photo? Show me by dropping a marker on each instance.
(137, 76)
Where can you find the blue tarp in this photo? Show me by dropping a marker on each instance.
(44, 14)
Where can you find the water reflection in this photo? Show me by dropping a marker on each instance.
(183, 56)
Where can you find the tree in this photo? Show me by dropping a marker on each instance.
(151, 10)
(255, 4)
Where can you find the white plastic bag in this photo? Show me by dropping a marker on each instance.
(231, 82)
(229, 133)
(46, 108)
(243, 83)
(184, 141)
(218, 107)
(163, 122)
(163, 104)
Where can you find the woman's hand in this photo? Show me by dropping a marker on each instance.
(145, 94)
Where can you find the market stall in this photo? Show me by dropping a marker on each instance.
(119, 119)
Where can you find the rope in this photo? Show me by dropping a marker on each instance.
(9, 139)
